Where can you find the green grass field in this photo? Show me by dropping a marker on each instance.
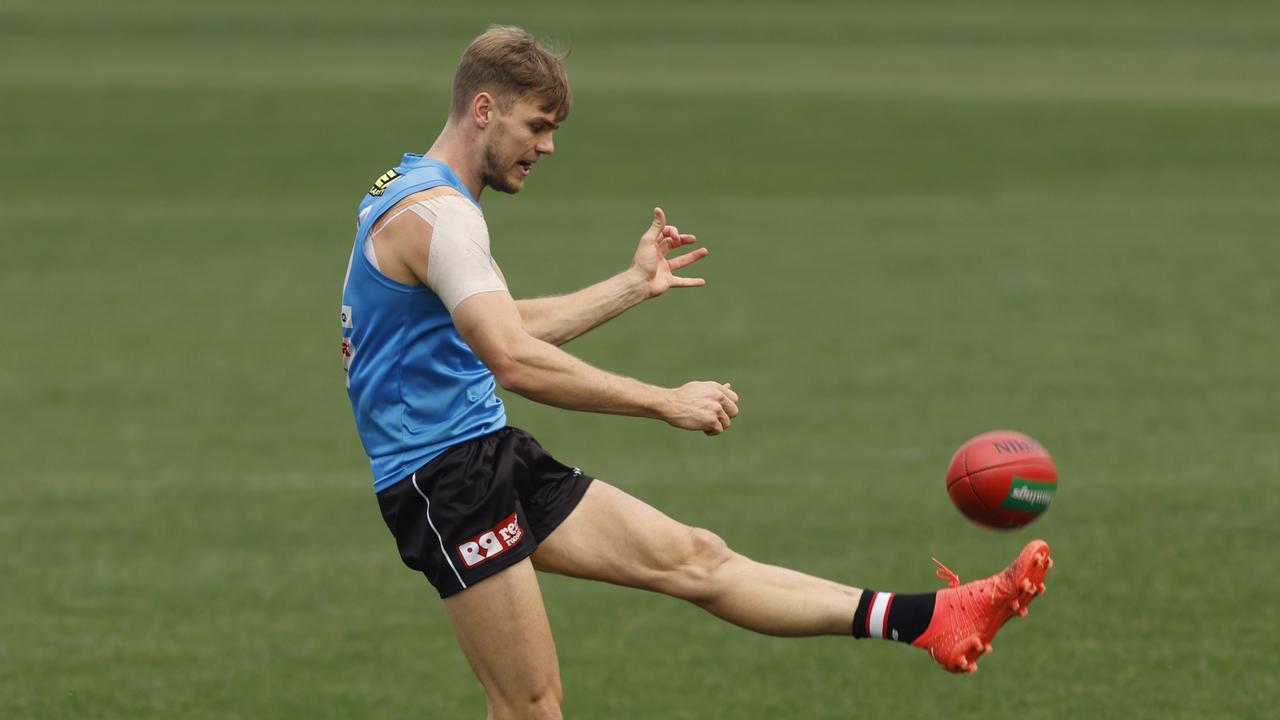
(926, 220)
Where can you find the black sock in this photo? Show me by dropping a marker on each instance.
(892, 617)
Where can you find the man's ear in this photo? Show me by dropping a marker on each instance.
(482, 108)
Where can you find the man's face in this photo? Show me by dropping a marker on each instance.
(516, 139)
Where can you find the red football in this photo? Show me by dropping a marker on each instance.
(1002, 479)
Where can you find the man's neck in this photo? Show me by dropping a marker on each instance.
(452, 150)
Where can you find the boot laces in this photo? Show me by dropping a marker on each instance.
(944, 574)
(988, 588)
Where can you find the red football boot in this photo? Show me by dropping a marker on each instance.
(967, 617)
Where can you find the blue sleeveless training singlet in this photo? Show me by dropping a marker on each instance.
(416, 387)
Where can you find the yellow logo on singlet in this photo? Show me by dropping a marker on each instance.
(380, 185)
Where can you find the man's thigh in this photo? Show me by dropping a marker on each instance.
(614, 537)
(502, 627)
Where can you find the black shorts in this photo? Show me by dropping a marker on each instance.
(480, 507)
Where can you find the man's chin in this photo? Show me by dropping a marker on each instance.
(504, 185)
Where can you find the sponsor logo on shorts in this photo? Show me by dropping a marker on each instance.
(491, 543)
(1029, 495)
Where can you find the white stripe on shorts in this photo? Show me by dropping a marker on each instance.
(437, 532)
(879, 614)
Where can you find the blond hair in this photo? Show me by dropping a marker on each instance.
(510, 64)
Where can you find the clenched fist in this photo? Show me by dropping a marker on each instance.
(702, 405)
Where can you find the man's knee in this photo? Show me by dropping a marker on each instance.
(703, 555)
(543, 704)
(546, 706)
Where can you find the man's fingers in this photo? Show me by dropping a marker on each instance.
(683, 282)
(728, 388)
(687, 259)
(672, 235)
(666, 242)
(730, 407)
(720, 423)
(659, 218)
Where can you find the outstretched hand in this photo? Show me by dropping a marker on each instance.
(652, 264)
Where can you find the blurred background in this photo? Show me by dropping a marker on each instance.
(926, 220)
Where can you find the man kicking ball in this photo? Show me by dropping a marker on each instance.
(428, 333)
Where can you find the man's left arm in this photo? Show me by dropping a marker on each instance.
(559, 319)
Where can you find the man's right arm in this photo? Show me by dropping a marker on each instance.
(491, 324)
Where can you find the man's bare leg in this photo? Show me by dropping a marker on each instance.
(502, 627)
(616, 538)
